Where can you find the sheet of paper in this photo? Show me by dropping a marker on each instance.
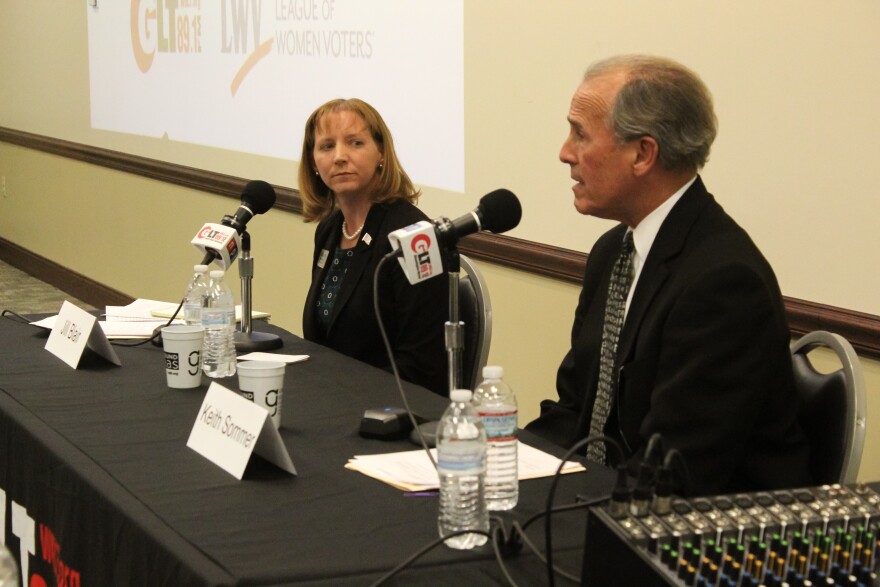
(257, 356)
(142, 310)
(131, 329)
(137, 319)
(48, 322)
(412, 470)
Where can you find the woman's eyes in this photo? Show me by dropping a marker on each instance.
(352, 142)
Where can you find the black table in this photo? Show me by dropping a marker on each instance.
(97, 459)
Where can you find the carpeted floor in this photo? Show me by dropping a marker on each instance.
(24, 294)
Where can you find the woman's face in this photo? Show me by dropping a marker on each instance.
(345, 154)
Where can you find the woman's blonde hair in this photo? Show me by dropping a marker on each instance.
(390, 182)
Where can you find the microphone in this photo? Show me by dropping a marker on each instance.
(220, 242)
(256, 198)
(498, 211)
(420, 243)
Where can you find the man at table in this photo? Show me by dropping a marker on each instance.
(696, 341)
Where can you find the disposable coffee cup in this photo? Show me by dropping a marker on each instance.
(262, 382)
(183, 355)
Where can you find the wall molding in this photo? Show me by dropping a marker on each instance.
(861, 329)
(70, 282)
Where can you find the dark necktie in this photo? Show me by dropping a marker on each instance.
(615, 310)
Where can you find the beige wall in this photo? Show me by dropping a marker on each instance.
(794, 161)
(795, 85)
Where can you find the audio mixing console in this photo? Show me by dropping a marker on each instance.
(808, 537)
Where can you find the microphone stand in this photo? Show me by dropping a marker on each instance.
(454, 337)
(454, 327)
(246, 340)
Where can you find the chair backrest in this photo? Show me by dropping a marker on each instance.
(833, 410)
(475, 310)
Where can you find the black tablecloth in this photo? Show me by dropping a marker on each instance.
(97, 458)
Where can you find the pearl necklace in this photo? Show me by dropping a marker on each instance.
(352, 236)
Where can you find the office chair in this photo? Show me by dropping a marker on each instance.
(475, 310)
(833, 409)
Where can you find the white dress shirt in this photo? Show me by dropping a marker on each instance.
(645, 233)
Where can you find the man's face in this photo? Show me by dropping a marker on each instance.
(601, 168)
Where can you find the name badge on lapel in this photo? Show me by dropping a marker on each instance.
(322, 259)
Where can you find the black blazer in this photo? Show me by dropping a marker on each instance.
(413, 315)
(703, 356)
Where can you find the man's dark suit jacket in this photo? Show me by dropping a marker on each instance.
(413, 315)
(703, 356)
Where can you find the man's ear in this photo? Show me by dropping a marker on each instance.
(647, 153)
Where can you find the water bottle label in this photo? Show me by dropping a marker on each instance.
(216, 317)
(192, 314)
(461, 457)
(499, 425)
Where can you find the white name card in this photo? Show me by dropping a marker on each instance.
(73, 331)
(229, 428)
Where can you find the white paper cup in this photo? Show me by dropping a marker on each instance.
(262, 382)
(183, 355)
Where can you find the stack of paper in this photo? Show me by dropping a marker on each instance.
(136, 320)
(413, 471)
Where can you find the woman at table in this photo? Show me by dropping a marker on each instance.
(353, 185)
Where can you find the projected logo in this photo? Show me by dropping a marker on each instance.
(243, 75)
(164, 27)
(175, 27)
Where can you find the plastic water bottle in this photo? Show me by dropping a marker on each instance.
(496, 405)
(218, 318)
(9, 576)
(194, 298)
(461, 466)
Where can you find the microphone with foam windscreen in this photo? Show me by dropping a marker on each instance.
(498, 211)
(420, 244)
(257, 197)
(220, 242)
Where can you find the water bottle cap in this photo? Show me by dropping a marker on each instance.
(216, 273)
(493, 372)
(200, 268)
(460, 395)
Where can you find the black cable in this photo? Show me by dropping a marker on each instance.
(520, 530)
(643, 493)
(563, 508)
(548, 540)
(527, 541)
(7, 313)
(422, 551)
(673, 456)
(390, 352)
(499, 555)
(157, 332)
(655, 443)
